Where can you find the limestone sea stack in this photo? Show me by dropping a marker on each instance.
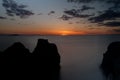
(111, 61)
(43, 63)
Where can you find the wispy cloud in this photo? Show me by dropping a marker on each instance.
(51, 12)
(80, 1)
(72, 12)
(112, 24)
(76, 13)
(108, 15)
(115, 2)
(1, 17)
(65, 17)
(84, 8)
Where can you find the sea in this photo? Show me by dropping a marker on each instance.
(81, 56)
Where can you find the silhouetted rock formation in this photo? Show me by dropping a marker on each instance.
(47, 52)
(17, 49)
(43, 63)
(111, 61)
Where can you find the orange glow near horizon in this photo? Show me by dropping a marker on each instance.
(58, 32)
(54, 31)
(65, 33)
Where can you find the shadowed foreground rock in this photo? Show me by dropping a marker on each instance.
(111, 61)
(43, 63)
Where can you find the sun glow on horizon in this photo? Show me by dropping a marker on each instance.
(66, 33)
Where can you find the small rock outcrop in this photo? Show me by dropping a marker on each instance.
(43, 63)
(111, 61)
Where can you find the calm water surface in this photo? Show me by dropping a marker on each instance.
(81, 56)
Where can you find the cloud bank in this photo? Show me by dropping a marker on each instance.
(14, 9)
(106, 17)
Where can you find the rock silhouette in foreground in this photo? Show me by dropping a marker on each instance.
(43, 63)
(111, 61)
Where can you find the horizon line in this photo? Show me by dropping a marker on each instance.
(7, 34)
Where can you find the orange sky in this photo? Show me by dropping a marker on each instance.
(50, 31)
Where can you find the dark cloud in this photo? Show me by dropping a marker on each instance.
(116, 3)
(116, 30)
(107, 15)
(65, 17)
(22, 6)
(84, 7)
(76, 13)
(110, 15)
(1, 17)
(72, 12)
(9, 12)
(85, 15)
(100, 12)
(80, 1)
(88, 1)
(12, 9)
(51, 12)
(112, 24)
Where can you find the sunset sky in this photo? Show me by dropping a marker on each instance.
(60, 17)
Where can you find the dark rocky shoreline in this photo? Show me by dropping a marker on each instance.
(43, 63)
